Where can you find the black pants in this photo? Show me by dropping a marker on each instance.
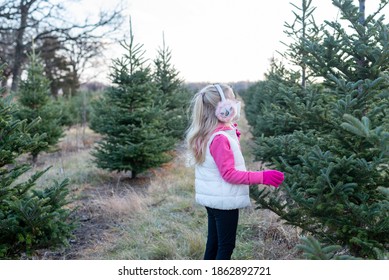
(222, 225)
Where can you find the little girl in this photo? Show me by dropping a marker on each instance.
(221, 179)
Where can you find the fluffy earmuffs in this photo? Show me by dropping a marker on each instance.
(226, 109)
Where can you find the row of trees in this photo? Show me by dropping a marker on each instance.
(32, 215)
(324, 122)
(141, 117)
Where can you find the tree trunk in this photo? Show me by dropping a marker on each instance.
(361, 62)
(362, 12)
(303, 66)
(19, 48)
(34, 159)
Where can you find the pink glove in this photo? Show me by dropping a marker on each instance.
(273, 177)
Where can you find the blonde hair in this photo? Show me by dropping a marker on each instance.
(204, 120)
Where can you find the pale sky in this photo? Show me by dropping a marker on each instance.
(216, 40)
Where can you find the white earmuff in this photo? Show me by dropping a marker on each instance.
(226, 109)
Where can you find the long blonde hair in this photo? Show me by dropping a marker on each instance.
(204, 120)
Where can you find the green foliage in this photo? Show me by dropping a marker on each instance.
(175, 94)
(303, 28)
(35, 102)
(313, 250)
(34, 220)
(331, 137)
(76, 108)
(31, 217)
(131, 117)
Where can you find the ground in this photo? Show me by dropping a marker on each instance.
(153, 216)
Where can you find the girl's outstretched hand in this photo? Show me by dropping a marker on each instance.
(273, 177)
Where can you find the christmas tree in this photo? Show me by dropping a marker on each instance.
(130, 116)
(175, 94)
(330, 133)
(35, 102)
(31, 217)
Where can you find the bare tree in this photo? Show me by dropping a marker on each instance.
(23, 22)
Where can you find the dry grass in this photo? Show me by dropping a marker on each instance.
(154, 216)
(167, 225)
(117, 206)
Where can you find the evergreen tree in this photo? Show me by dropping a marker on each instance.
(313, 250)
(31, 217)
(130, 116)
(35, 102)
(303, 28)
(331, 138)
(175, 94)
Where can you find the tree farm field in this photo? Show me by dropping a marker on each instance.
(153, 216)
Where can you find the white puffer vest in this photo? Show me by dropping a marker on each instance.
(211, 189)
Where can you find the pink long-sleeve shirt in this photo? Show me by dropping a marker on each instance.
(224, 158)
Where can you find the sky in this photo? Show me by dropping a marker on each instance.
(214, 40)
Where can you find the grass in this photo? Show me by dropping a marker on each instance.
(154, 216)
(169, 226)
